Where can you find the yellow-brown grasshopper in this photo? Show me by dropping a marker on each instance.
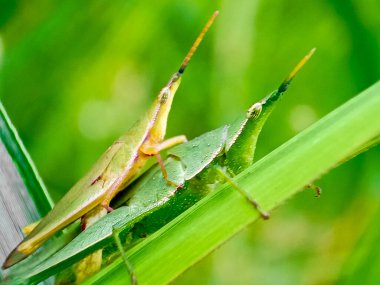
(116, 169)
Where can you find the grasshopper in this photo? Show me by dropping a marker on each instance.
(120, 165)
(218, 155)
(209, 159)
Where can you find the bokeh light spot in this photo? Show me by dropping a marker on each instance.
(302, 116)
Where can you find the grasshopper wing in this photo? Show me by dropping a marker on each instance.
(82, 197)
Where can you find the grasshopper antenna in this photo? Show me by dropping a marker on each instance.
(291, 75)
(197, 42)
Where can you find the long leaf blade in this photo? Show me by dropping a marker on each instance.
(271, 181)
(24, 163)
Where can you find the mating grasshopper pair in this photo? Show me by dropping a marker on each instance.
(229, 148)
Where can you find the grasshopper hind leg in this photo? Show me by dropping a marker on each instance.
(264, 215)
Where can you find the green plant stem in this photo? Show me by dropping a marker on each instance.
(272, 180)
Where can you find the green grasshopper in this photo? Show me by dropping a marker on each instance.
(192, 164)
(119, 166)
(217, 156)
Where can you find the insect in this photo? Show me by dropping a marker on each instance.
(116, 169)
(212, 158)
(218, 155)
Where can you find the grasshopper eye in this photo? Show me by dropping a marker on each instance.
(164, 95)
(175, 77)
(254, 111)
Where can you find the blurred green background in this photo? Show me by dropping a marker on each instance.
(76, 74)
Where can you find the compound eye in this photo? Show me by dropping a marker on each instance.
(164, 95)
(175, 77)
(254, 111)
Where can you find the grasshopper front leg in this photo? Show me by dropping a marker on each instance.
(150, 150)
(264, 215)
(154, 150)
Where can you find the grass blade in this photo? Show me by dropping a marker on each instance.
(272, 180)
(24, 164)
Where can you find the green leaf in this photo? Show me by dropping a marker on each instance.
(24, 164)
(272, 180)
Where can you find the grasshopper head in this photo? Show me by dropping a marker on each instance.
(163, 105)
(254, 111)
(165, 98)
(167, 93)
